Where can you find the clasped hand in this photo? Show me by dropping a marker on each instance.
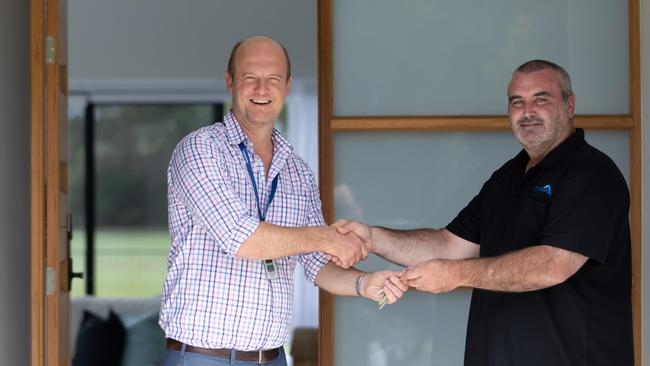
(435, 275)
(376, 285)
(346, 249)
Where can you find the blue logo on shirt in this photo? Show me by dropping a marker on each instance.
(545, 189)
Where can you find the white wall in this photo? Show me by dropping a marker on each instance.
(645, 105)
(14, 183)
(180, 43)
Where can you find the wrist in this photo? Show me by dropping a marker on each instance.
(376, 236)
(325, 236)
(460, 272)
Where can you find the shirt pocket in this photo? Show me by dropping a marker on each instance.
(288, 209)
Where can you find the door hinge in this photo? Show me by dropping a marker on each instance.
(50, 281)
(50, 50)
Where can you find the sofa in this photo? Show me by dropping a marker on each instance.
(115, 331)
(98, 325)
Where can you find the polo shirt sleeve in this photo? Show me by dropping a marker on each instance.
(199, 179)
(586, 210)
(467, 223)
(313, 262)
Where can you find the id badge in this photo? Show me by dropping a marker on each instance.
(271, 271)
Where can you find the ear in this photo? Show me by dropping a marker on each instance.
(289, 85)
(228, 79)
(571, 106)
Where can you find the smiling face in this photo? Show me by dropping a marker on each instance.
(539, 116)
(259, 84)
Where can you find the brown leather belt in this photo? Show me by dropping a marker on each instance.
(254, 356)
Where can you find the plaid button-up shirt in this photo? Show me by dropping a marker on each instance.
(212, 298)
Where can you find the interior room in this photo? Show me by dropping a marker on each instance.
(126, 115)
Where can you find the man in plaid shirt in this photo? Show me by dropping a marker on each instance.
(243, 208)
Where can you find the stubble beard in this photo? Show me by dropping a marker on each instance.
(540, 143)
(263, 120)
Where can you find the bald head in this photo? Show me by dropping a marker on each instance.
(252, 42)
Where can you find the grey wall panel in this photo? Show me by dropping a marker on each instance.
(15, 183)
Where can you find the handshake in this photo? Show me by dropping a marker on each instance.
(350, 242)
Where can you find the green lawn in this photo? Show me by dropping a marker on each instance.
(128, 262)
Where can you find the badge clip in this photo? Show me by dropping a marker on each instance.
(271, 271)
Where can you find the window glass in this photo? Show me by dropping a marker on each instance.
(455, 57)
(413, 180)
(133, 143)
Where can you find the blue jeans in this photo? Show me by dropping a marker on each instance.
(182, 358)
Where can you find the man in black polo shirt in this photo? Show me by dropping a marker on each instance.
(545, 244)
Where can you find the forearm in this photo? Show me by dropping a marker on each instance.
(528, 269)
(409, 247)
(337, 280)
(270, 241)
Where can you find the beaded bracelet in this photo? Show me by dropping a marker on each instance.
(359, 283)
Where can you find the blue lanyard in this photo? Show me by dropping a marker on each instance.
(274, 184)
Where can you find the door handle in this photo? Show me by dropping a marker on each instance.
(72, 274)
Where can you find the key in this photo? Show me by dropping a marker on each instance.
(383, 301)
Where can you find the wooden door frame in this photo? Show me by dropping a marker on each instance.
(330, 124)
(48, 184)
(38, 143)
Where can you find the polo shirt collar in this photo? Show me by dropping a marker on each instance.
(566, 148)
(517, 165)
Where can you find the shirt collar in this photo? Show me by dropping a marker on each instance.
(564, 149)
(517, 165)
(236, 135)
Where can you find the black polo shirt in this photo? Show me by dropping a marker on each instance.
(575, 199)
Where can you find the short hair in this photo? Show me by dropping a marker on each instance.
(563, 76)
(233, 55)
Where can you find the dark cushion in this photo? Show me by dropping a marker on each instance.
(100, 342)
